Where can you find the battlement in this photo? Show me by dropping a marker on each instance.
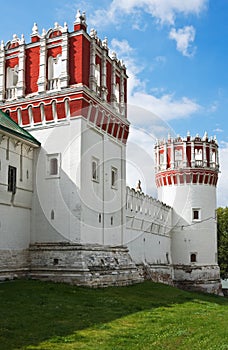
(187, 160)
(147, 213)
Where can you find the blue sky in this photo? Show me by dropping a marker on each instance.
(176, 54)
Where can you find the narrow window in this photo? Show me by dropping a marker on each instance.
(99, 218)
(114, 177)
(193, 257)
(52, 214)
(196, 214)
(7, 149)
(21, 164)
(111, 220)
(12, 179)
(21, 167)
(95, 176)
(53, 166)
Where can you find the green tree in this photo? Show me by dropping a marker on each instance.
(222, 228)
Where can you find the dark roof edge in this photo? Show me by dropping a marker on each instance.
(29, 138)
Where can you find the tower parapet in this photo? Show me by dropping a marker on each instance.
(190, 160)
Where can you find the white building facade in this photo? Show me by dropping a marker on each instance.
(78, 221)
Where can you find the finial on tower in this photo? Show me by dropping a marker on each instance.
(93, 33)
(80, 21)
(35, 29)
(43, 33)
(22, 41)
(105, 43)
(113, 56)
(65, 27)
(205, 136)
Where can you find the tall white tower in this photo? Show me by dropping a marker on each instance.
(186, 178)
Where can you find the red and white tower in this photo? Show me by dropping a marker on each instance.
(186, 177)
(70, 92)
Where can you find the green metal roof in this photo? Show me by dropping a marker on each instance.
(10, 126)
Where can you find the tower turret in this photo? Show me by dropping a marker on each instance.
(186, 177)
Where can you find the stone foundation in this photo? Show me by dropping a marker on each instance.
(85, 265)
(158, 273)
(13, 264)
(198, 278)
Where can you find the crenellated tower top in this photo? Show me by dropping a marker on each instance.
(189, 160)
(61, 75)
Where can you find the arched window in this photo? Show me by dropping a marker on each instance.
(11, 82)
(117, 93)
(98, 78)
(53, 165)
(95, 176)
(193, 257)
(54, 72)
(198, 157)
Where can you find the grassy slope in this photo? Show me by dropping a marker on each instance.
(37, 315)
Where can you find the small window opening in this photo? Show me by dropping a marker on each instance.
(111, 220)
(55, 261)
(12, 179)
(195, 214)
(53, 166)
(95, 170)
(52, 215)
(193, 257)
(99, 218)
(114, 177)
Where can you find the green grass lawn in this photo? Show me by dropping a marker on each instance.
(38, 315)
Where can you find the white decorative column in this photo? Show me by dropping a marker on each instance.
(185, 155)
(42, 81)
(64, 78)
(2, 71)
(21, 69)
(92, 78)
(204, 155)
(122, 92)
(172, 162)
(113, 80)
(104, 70)
(165, 156)
(192, 155)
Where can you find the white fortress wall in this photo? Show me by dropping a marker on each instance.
(148, 227)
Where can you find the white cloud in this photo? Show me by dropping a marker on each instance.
(166, 107)
(184, 38)
(164, 11)
(218, 130)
